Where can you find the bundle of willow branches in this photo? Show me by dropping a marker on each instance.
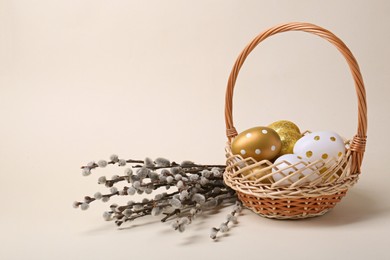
(190, 190)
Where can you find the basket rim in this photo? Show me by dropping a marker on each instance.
(234, 179)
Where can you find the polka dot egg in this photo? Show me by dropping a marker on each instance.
(324, 145)
(289, 164)
(260, 143)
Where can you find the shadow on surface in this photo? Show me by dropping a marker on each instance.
(139, 223)
(357, 206)
(112, 227)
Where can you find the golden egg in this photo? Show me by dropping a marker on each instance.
(284, 125)
(260, 143)
(288, 138)
(258, 172)
(331, 176)
(289, 134)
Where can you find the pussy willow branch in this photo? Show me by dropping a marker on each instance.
(198, 187)
(173, 164)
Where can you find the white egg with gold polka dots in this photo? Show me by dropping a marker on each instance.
(293, 166)
(325, 145)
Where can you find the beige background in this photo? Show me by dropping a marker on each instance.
(80, 80)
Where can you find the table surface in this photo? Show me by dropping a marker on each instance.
(82, 80)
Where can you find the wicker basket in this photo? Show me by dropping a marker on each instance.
(297, 199)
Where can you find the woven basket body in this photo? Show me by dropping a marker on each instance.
(295, 198)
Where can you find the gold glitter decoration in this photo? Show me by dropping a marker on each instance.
(340, 153)
(289, 134)
(316, 138)
(284, 125)
(324, 156)
(333, 138)
(309, 154)
(260, 143)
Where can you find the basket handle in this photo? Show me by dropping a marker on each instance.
(359, 140)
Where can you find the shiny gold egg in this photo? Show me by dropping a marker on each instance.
(288, 138)
(284, 125)
(257, 173)
(260, 143)
(289, 134)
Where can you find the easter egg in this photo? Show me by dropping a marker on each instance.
(325, 145)
(284, 125)
(288, 164)
(260, 143)
(289, 134)
(257, 173)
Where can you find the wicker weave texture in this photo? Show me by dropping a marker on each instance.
(298, 208)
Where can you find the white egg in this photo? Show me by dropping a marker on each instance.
(284, 164)
(324, 145)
